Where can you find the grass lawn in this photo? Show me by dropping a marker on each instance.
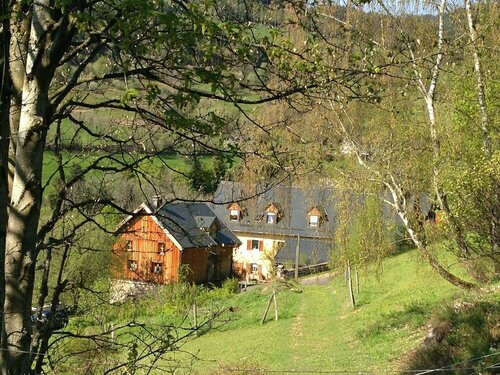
(319, 331)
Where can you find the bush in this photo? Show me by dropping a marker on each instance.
(231, 286)
(436, 355)
(463, 336)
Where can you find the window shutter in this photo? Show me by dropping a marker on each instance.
(249, 244)
(260, 271)
(261, 245)
(249, 270)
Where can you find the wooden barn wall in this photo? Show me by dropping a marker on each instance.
(146, 236)
(226, 256)
(197, 261)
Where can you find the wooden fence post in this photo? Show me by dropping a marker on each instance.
(266, 310)
(297, 253)
(195, 318)
(275, 305)
(349, 280)
(358, 288)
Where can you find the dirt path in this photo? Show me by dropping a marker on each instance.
(319, 279)
(297, 332)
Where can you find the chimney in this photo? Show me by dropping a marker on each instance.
(156, 202)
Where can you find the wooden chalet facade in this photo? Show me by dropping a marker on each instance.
(153, 245)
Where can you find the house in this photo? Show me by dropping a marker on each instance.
(156, 241)
(273, 224)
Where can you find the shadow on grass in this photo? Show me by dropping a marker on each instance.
(413, 315)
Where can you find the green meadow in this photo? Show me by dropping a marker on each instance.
(318, 330)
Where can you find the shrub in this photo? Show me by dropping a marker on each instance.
(231, 286)
(435, 355)
(462, 339)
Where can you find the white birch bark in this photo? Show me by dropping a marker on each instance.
(399, 203)
(24, 210)
(481, 97)
(429, 93)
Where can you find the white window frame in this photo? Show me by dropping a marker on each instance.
(314, 221)
(234, 215)
(271, 218)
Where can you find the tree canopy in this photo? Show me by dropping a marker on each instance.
(95, 95)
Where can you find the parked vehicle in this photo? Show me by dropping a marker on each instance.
(49, 320)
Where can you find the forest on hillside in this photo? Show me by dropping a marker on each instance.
(107, 103)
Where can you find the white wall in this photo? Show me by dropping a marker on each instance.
(265, 258)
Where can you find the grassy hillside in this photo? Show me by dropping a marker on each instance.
(319, 331)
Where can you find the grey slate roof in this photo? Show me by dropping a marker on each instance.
(190, 222)
(294, 203)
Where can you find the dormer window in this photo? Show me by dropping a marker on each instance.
(129, 245)
(316, 216)
(234, 215)
(234, 212)
(313, 221)
(271, 218)
(208, 224)
(272, 214)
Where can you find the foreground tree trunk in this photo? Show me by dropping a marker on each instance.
(22, 227)
(32, 115)
(4, 146)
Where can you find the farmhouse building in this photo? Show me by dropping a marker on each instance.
(155, 242)
(274, 224)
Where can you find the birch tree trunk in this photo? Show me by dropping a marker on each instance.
(22, 227)
(4, 144)
(483, 112)
(481, 97)
(26, 192)
(429, 95)
(399, 204)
